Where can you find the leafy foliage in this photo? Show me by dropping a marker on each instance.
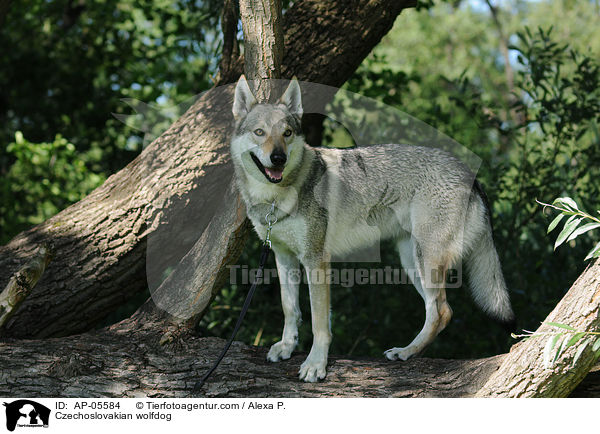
(45, 178)
(68, 65)
(568, 207)
(558, 342)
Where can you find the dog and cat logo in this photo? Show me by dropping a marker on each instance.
(26, 413)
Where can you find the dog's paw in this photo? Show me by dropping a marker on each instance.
(400, 353)
(280, 351)
(313, 369)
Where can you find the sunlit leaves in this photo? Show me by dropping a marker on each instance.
(570, 231)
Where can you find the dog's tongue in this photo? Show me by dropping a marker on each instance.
(274, 173)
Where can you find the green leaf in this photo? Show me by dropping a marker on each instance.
(555, 222)
(596, 345)
(561, 348)
(574, 339)
(550, 344)
(566, 201)
(580, 350)
(594, 253)
(562, 326)
(564, 234)
(583, 229)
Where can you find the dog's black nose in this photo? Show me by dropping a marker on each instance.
(278, 158)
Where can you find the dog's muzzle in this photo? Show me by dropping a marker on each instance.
(273, 174)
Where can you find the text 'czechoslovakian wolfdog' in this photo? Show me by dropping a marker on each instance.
(424, 199)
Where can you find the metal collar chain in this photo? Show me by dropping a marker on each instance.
(270, 219)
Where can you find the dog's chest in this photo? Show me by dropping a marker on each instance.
(289, 232)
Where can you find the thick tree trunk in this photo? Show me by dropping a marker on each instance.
(196, 279)
(523, 372)
(157, 206)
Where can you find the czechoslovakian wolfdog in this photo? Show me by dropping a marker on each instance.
(424, 199)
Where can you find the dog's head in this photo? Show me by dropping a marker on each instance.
(268, 134)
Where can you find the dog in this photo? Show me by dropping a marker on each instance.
(331, 201)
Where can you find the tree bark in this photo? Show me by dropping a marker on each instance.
(263, 45)
(142, 362)
(156, 206)
(130, 363)
(523, 372)
(139, 367)
(230, 54)
(20, 285)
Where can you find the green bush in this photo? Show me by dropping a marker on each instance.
(43, 179)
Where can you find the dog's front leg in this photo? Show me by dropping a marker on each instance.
(314, 367)
(288, 268)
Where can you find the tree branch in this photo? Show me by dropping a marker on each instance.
(20, 285)
(523, 374)
(230, 55)
(263, 44)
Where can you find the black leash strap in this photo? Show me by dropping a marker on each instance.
(259, 275)
(271, 220)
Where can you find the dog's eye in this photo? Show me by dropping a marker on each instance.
(287, 133)
(259, 132)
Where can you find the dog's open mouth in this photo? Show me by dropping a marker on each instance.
(273, 174)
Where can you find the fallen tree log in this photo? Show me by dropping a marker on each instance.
(129, 362)
(122, 362)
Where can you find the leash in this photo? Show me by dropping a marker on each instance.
(270, 219)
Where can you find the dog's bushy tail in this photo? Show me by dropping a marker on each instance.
(486, 280)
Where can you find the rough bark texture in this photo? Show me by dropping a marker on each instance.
(159, 201)
(198, 276)
(230, 54)
(138, 366)
(263, 44)
(20, 285)
(523, 374)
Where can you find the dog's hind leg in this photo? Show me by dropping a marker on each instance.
(428, 280)
(288, 268)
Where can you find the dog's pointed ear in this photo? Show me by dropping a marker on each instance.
(292, 98)
(243, 99)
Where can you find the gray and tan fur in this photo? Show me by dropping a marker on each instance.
(333, 201)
